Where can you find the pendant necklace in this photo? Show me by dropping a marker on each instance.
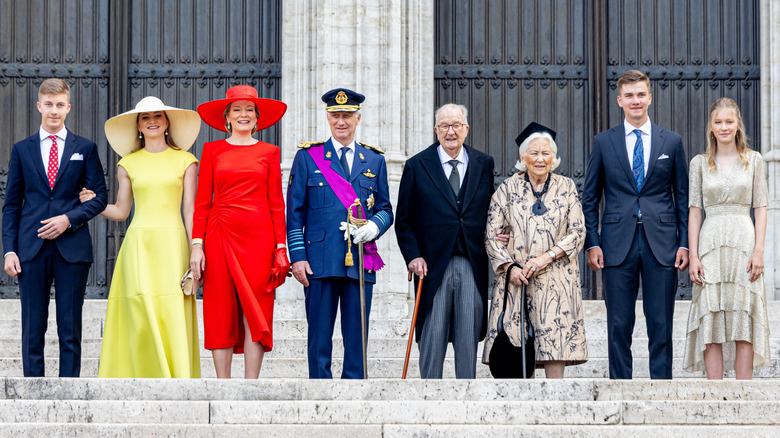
(539, 208)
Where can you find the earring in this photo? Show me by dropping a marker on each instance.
(166, 132)
(140, 135)
(228, 126)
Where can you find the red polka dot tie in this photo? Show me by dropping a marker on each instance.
(54, 166)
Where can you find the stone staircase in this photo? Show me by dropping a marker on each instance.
(388, 334)
(285, 403)
(302, 408)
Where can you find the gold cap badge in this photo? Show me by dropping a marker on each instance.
(341, 98)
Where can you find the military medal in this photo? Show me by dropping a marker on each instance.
(370, 202)
(539, 208)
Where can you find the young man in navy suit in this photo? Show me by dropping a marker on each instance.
(640, 171)
(45, 237)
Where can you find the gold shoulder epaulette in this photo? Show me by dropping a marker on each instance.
(308, 144)
(373, 148)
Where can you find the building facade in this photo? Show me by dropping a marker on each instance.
(510, 62)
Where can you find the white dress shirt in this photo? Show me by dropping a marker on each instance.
(350, 151)
(46, 144)
(631, 142)
(463, 162)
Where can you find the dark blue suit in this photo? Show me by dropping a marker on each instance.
(314, 214)
(66, 259)
(629, 247)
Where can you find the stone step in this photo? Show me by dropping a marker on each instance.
(377, 348)
(417, 412)
(378, 329)
(44, 430)
(384, 306)
(381, 368)
(264, 389)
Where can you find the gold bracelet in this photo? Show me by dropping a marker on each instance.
(197, 241)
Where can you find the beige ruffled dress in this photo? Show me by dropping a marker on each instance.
(728, 307)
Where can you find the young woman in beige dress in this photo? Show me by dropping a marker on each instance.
(727, 324)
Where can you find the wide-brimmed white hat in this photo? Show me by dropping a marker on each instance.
(122, 130)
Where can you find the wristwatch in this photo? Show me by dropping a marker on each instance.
(551, 253)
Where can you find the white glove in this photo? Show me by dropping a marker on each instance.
(348, 229)
(365, 233)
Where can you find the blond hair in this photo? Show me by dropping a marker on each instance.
(740, 138)
(54, 86)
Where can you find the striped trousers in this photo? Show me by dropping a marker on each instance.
(457, 312)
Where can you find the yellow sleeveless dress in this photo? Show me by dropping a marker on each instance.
(151, 328)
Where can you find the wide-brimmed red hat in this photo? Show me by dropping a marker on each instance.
(270, 110)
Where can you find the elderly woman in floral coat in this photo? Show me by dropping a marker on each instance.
(540, 214)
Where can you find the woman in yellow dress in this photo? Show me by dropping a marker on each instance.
(151, 327)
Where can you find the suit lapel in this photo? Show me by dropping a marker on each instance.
(473, 171)
(657, 138)
(618, 137)
(335, 164)
(70, 147)
(432, 165)
(358, 162)
(34, 148)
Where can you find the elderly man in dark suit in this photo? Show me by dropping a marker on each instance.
(440, 224)
(45, 237)
(640, 171)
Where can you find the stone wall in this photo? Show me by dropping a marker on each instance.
(383, 50)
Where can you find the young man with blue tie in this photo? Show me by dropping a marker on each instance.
(45, 237)
(640, 171)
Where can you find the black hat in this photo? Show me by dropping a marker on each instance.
(342, 99)
(533, 128)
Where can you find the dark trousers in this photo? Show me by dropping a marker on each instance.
(70, 283)
(621, 285)
(322, 301)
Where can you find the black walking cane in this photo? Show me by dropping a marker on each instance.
(414, 322)
(522, 328)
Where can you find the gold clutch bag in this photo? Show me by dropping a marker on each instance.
(188, 283)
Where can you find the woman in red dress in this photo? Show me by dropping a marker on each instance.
(239, 229)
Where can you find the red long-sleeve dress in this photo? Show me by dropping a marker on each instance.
(239, 212)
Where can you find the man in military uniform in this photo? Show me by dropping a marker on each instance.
(323, 230)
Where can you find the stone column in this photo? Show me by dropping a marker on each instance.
(770, 144)
(383, 50)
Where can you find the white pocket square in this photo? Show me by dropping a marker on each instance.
(76, 156)
(663, 157)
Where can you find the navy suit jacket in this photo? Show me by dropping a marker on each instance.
(314, 212)
(663, 198)
(29, 200)
(429, 220)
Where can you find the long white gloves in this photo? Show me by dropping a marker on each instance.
(365, 233)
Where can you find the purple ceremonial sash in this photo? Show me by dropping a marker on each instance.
(347, 195)
(341, 187)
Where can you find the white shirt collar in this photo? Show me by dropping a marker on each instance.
(62, 134)
(445, 159)
(646, 128)
(338, 146)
